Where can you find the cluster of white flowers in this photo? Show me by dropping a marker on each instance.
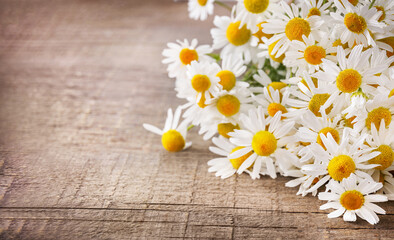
(302, 89)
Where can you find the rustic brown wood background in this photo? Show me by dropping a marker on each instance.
(77, 80)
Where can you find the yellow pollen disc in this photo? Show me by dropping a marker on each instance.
(352, 200)
(391, 93)
(355, 23)
(227, 79)
(264, 143)
(341, 167)
(375, 116)
(260, 34)
(325, 131)
(314, 12)
(237, 162)
(272, 56)
(201, 83)
(256, 6)
(385, 158)
(314, 54)
(202, 2)
(225, 128)
(188, 55)
(237, 36)
(348, 80)
(389, 41)
(383, 16)
(273, 108)
(228, 105)
(173, 141)
(297, 27)
(317, 101)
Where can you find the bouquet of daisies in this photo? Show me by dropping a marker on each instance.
(304, 89)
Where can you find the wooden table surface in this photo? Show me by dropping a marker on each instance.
(77, 80)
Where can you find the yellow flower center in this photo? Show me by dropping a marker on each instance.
(188, 55)
(264, 143)
(317, 101)
(237, 162)
(375, 116)
(355, 23)
(256, 6)
(352, 200)
(297, 27)
(228, 105)
(237, 36)
(272, 56)
(383, 16)
(227, 79)
(341, 167)
(385, 158)
(273, 108)
(173, 141)
(260, 34)
(314, 54)
(391, 93)
(201, 83)
(348, 80)
(325, 131)
(202, 2)
(314, 12)
(225, 128)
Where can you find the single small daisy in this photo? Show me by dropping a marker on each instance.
(387, 10)
(316, 7)
(232, 67)
(290, 27)
(181, 54)
(352, 197)
(223, 166)
(338, 161)
(273, 101)
(308, 55)
(356, 23)
(265, 138)
(200, 9)
(252, 12)
(233, 38)
(173, 135)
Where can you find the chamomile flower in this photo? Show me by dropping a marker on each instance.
(233, 37)
(232, 68)
(173, 135)
(387, 10)
(308, 55)
(273, 101)
(200, 9)
(356, 23)
(352, 197)
(265, 138)
(290, 27)
(316, 7)
(223, 166)
(338, 161)
(181, 54)
(252, 12)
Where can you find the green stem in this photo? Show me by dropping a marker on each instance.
(190, 127)
(372, 3)
(222, 4)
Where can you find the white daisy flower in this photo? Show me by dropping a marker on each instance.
(356, 23)
(233, 37)
(224, 166)
(251, 12)
(202, 82)
(386, 178)
(316, 7)
(290, 27)
(273, 101)
(387, 10)
(232, 68)
(265, 137)
(338, 161)
(181, 54)
(352, 198)
(308, 55)
(200, 9)
(173, 136)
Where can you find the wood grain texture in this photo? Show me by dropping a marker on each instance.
(77, 80)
